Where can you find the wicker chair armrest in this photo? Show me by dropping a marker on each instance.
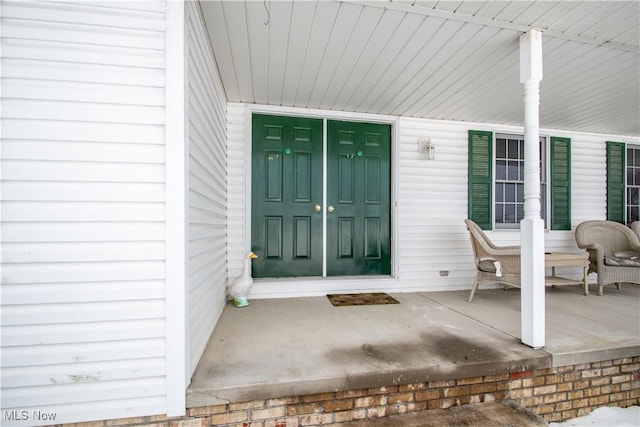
(506, 251)
(499, 250)
(595, 246)
(596, 254)
(635, 227)
(634, 242)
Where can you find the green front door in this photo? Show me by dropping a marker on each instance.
(287, 197)
(286, 215)
(358, 198)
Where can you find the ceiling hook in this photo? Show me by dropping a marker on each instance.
(267, 10)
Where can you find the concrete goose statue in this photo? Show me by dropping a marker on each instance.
(241, 285)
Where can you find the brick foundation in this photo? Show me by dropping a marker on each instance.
(555, 394)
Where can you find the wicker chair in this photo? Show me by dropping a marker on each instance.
(613, 252)
(494, 264)
(635, 226)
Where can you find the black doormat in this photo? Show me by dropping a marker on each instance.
(375, 298)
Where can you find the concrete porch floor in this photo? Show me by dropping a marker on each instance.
(286, 347)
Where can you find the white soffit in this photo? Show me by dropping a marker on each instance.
(447, 60)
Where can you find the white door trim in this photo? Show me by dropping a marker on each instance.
(325, 115)
(324, 197)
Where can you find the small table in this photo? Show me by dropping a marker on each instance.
(561, 259)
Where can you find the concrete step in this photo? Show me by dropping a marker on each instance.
(495, 414)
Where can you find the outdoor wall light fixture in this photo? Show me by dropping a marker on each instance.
(426, 147)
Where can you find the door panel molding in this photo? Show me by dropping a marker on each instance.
(273, 237)
(372, 243)
(302, 237)
(372, 180)
(346, 180)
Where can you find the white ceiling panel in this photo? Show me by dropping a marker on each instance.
(326, 15)
(302, 20)
(444, 75)
(387, 30)
(361, 35)
(279, 38)
(240, 48)
(452, 60)
(339, 49)
(430, 57)
(258, 33)
(388, 60)
(489, 9)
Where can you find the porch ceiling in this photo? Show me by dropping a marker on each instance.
(447, 60)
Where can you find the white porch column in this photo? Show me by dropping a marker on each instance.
(532, 304)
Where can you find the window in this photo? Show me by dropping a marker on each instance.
(633, 184)
(509, 180)
(623, 182)
(496, 200)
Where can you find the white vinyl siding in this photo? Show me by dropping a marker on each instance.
(433, 205)
(83, 210)
(589, 177)
(206, 109)
(237, 174)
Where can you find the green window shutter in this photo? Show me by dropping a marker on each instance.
(560, 183)
(481, 178)
(616, 163)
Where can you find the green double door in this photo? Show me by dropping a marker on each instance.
(319, 210)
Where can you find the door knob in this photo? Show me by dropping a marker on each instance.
(317, 208)
(330, 209)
